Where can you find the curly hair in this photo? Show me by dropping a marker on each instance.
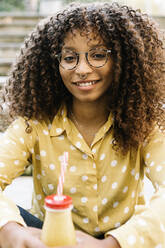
(137, 93)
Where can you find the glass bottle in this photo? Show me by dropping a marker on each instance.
(58, 228)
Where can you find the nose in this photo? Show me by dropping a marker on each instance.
(83, 67)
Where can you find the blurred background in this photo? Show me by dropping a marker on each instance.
(17, 20)
(154, 7)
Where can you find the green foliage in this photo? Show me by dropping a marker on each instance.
(93, 1)
(12, 5)
(85, 1)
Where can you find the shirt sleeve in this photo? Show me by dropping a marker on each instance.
(15, 152)
(146, 228)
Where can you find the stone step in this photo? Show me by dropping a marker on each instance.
(23, 17)
(12, 37)
(17, 28)
(9, 50)
(160, 20)
(5, 65)
(2, 80)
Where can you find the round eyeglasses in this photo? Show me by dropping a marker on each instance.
(97, 58)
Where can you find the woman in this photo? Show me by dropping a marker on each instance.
(89, 81)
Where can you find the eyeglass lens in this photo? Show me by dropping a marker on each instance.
(95, 57)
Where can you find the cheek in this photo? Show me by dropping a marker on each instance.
(108, 71)
(62, 73)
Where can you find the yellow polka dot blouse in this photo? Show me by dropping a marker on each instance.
(106, 187)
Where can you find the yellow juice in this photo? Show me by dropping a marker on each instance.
(58, 228)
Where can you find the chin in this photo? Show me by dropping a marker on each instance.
(88, 99)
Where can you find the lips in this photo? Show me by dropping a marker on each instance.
(86, 83)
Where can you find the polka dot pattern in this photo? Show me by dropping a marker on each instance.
(39, 197)
(86, 220)
(22, 140)
(78, 144)
(106, 219)
(24, 153)
(84, 178)
(104, 179)
(125, 189)
(72, 169)
(94, 150)
(114, 185)
(43, 153)
(58, 130)
(45, 132)
(50, 186)
(95, 208)
(85, 156)
(73, 190)
(16, 162)
(52, 166)
(117, 224)
(103, 185)
(97, 229)
(38, 176)
(95, 186)
(124, 169)
(114, 163)
(102, 157)
(104, 201)
(115, 204)
(84, 199)
(16, 126)
(126, 210)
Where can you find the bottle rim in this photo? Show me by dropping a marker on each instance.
(58, 202)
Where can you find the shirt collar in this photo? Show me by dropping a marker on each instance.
(61, 123)
(58, 124)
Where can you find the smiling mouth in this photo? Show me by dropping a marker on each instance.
(85, 84)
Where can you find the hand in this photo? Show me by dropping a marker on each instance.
(85, 240)
(14, 235)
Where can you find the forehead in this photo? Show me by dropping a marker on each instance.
(77, 39)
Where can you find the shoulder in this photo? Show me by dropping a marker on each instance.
(156, 140)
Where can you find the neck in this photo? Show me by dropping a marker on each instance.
(90, 114)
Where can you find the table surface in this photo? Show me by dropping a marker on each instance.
(20, 191)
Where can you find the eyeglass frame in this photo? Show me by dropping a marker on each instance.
(86, 56)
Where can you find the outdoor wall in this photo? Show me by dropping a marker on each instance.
(152, 7)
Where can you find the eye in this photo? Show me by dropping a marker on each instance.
(97, 55)
(68, 57)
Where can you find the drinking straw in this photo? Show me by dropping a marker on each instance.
(64, 164)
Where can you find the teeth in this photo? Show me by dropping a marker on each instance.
(86, 84)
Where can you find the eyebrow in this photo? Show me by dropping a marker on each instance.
(72, 48)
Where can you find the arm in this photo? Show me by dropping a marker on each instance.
(147, 225)
(14, 235)
(85, 240)
(14, 154)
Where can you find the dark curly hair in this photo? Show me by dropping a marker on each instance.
(137, 93)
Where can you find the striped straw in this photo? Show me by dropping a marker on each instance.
(64, 164)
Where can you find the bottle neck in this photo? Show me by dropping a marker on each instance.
(59, 209)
